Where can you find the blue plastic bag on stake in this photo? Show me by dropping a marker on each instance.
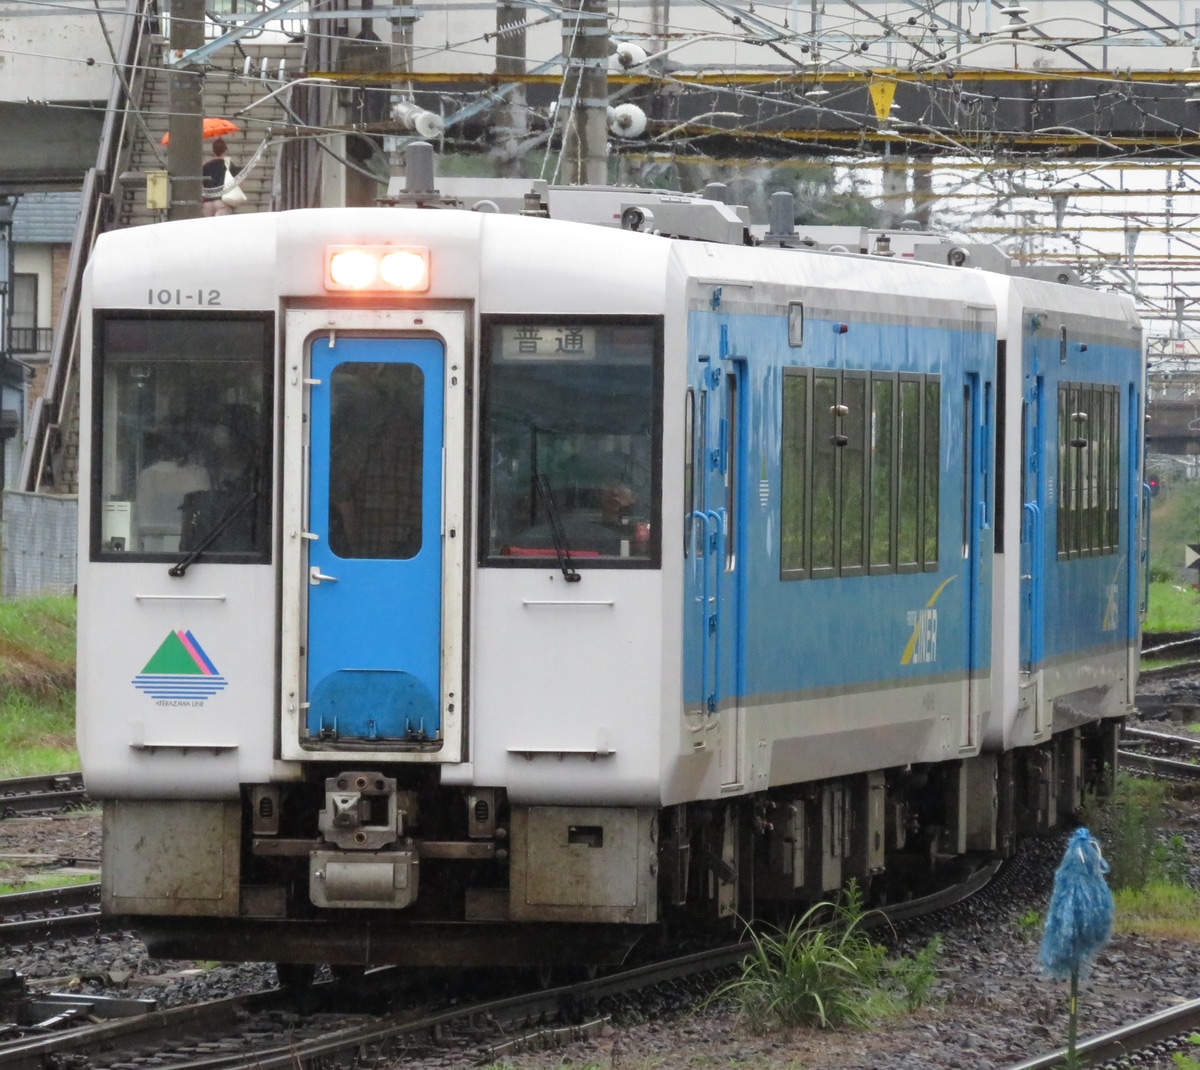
(1079, 920)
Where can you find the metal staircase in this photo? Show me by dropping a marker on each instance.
(227, 93)
(114, 196)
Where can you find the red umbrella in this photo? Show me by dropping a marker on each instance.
(212, 128)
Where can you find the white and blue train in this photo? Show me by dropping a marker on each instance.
(491, 581)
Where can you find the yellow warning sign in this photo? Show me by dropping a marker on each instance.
(882, 95)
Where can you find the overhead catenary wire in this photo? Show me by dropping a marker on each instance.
(955, 121)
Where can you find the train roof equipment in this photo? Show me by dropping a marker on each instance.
(696, 217)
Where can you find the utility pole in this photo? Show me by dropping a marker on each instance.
(894, 181)
(186, 125)
(509, 124)
(585, 92)
(922, 189)
(8, 206)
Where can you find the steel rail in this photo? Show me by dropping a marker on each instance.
(1166, 672)
(1177, 647)
(53, 791)
(42, 1051)
(62, 898)
(1169, 739)
(64, 911)
(61, 912)
(1123, 1041)
(1167, 768)
(54, 927)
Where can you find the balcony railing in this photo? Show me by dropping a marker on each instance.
(29, 340)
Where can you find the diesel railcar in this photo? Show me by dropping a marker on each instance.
(491, 579)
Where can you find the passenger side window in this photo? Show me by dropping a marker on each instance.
(794, 471)
(860, 472)
(1089, 443)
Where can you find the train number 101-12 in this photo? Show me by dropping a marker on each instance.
(199, 298)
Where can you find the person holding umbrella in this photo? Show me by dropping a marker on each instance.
(216, 172)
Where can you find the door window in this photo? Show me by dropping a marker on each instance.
(375, 458)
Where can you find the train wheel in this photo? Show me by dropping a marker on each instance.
(347, 974)
(295, 976)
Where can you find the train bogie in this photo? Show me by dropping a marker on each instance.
(544, 581)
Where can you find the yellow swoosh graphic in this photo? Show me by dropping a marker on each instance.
(906, 657)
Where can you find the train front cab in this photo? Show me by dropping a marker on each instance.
(331, 810)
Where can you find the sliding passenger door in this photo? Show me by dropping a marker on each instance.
(976, 499)
(1033, 534)
(716, 605)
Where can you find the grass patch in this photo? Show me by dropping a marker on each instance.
(1172, 608)
(1186, 1062)
(1163, 663)
(1030, 922)
(1149, 868)
(1174, 522)
(1171, 911)
(41, 883)
(37, 686)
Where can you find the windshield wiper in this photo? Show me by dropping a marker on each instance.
(214, 533)
(557, 533)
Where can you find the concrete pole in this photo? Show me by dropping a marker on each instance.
(922, 189)
(8, 205)
(895, 190)
(402, 64)
(660, 27)
(185, 154)
(585, 92)
(510, 124)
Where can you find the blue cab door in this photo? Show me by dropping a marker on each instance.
(375, 547)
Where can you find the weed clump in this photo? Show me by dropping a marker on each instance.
(1149, 868)
(1129, 823)
(823, 971)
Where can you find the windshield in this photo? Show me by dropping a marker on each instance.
(182, 437)
(572, 441)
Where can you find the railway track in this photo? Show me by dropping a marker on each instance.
(255, 1031)
(51, 913)
(41, 794)
(1167, 755)
(199, 1034)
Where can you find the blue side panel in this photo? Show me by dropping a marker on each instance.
(899, 626)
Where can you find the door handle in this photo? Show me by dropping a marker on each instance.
(316, 576)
